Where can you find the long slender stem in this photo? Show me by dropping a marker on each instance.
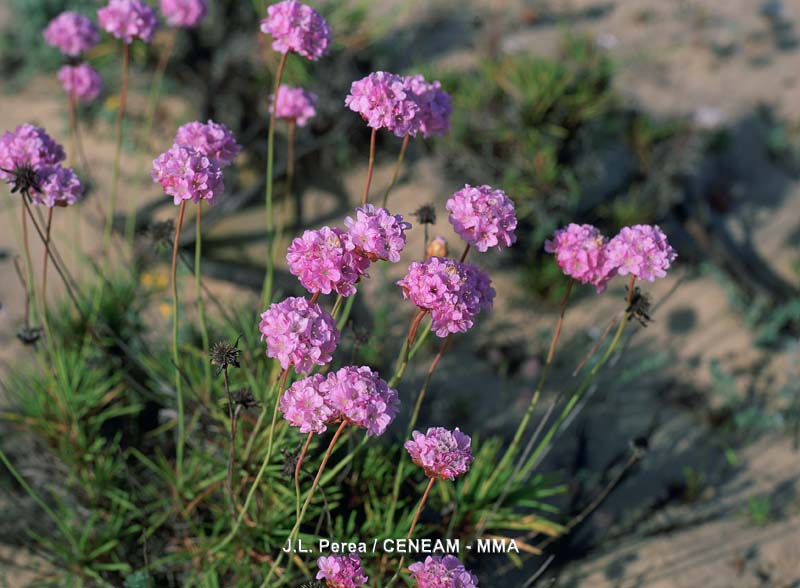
(297, 468)
(201, 309)
(396, 173)
(175, 354)
(370, 169)
(413, 526)
(267, 293)
(523, 425)
(261, 470)
(123, 98)
(402, 359)
(26, 250)
(46, 254)
(414, 416)
(307, 502)
(464, 254)
(232, 447)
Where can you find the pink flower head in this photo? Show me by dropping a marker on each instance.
(128, 20)
(299, 333)
(383, 100)
(298, 28)
(641, 250)
(435, 105)
(325, 261)
(304, 406)
(582, 253)
(183, 13)
(359, 396)
(341, 571)
(377, 234)
(71, 33)
(27, 148)
(294, 104)
(187, 174)
(81, 82)
(483, 217)
(212, 139)
(453, 292)
(441, 453)
(57, 186)
(442, 572)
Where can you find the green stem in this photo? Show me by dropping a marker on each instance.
(402, 359)
(123, 97)
(267, 293)
(370, 168)
(523, 425)
(411, 529)
(260, 473)
(297, 468)
(348, 307)
(175, 353)
(396, 173)
(26, 250)
(199, 293)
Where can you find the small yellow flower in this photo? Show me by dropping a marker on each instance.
(166, 310)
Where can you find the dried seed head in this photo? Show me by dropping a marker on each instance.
(426, 214)
(640, 307)
(244, 397)
(23, 180)
(224, 355)
(29, 335)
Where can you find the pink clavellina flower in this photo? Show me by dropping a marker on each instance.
(57, 186)
(341, 571)
(359, 396)
(128, 20)
(453, 292)
(212, 139)
(298, 28)
(442, 572)
(303, 405)
(187, 174)
(643, 251)
(384, 102)
(325, 261)
(294, 104)
(81, 81)
(183, 13)
(71, 33)
(299, 334)
(483, 216)
(27, 148)
(441, 453)
(582, 253)
(435, 105)
(378, 234)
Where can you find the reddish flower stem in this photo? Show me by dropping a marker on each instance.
(365, 197)
(46, 254)
(413, 526)
(396, 173)
(175, 354)
(314, 297)
(464, 255)
(297, 468)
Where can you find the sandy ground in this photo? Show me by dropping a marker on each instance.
(678, 58)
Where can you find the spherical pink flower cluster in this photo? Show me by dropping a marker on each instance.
(128, 20)
(441, 453)
(298, 28)
(214, 140)
(356, 395)
(27, 147)
(187, 174)
(581, 252)
(383, 100)
(71, 33)
(299, 333)
(294, 104)
(304, 406)
(435, 105)
(57, 186)
(453, 292)
(377, 234)
(359, 396)
(81, 81)
(442, 572)
(585, 255)
(483, 216)
(325, 261)
(641, 250)
(341, 571)
(183, 13)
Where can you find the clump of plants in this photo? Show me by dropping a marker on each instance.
(244, 447)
